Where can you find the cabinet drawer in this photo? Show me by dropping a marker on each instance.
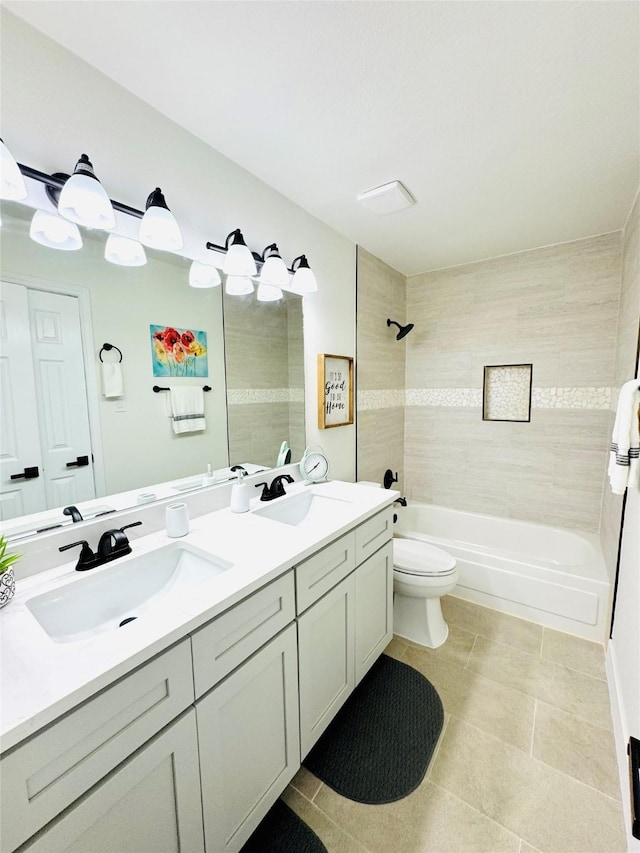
(324, 570)
(373, 534)
(54, 768)
(228, 640)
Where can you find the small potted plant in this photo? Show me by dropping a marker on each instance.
(7, 579)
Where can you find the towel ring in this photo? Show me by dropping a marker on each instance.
(108, 347)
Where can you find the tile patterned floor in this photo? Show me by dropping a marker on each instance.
(526, 760)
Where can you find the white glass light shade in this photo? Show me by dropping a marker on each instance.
(238, 285)
(239, 261)
(274, 272)
(12, 185)
(203, 275)
(124, 251)
(83, 199)
(268, 293)
(304, 281)
(52, 231)
(159, 230)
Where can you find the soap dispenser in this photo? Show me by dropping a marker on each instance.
(240, 494)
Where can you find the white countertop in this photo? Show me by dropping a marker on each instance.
(42, 679)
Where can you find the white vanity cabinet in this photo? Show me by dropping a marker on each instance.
(342, 634)
(248, 727)
(150, 804)
(248, 734)
(190, 750)
(51, 770)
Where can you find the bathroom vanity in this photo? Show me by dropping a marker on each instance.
(179, 730)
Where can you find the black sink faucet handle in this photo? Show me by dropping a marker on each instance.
(133, 524)
(87, 558)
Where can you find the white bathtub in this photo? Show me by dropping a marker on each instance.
(552, 576)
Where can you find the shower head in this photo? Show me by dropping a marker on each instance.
(403, 330)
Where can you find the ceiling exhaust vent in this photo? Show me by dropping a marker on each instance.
(386, 199)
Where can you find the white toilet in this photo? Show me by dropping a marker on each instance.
(422, 574)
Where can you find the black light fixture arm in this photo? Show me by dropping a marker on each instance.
(55, 182)
(271, 249)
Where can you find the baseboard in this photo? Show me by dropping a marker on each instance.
(621, 734)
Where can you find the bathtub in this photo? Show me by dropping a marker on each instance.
(549, 575)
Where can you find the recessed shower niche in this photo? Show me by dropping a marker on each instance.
(507, 392)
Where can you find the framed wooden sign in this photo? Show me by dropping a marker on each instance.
(335, 390)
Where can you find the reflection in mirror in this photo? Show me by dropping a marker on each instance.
(265, 377)
(133, 450)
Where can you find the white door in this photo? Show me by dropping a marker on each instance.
(22, 489)
(45, 448)
(62, 400)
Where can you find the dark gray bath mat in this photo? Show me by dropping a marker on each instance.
(282, 831)
(378, 747)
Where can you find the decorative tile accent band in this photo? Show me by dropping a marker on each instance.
(387, 399)
(596, 397)
(245, 396)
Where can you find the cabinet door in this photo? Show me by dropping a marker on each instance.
(149, 804)
(374, 608)
(248, 733)
(326, 653)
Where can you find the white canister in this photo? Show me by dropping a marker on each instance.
(177, 520)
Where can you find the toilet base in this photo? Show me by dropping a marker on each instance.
(419, 620)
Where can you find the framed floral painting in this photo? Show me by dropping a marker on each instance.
(178, 352)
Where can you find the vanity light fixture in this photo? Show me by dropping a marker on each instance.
(158, 228)
(274, 271)
(268, 293)
(304, 281)
(54, 232)
(239, 260)
(238, 285)
(12, 185)
(83, 199)
(124, 251)
(203, 275)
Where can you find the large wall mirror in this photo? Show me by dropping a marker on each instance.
(254, 370)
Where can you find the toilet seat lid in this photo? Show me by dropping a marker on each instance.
(414, 557)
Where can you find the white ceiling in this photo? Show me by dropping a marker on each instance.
(513, 124)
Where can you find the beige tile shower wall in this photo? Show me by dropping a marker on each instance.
(265, 378)
(380, 369)
(555, 307)
(625, 366)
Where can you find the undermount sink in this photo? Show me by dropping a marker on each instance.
(306, 508)
(122, 592)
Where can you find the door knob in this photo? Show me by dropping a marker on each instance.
(80, 462)
(27, 474)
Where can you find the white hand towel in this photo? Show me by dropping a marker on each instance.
(112, 384)
(625, 441)
(186, 409)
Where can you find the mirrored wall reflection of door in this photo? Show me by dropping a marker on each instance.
(45, 443)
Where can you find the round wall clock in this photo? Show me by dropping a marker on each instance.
(314, 465)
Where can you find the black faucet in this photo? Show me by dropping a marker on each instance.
(112, 544)
(74, 512)
(276, 489)
(401, 501)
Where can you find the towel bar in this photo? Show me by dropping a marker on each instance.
(157, 388)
